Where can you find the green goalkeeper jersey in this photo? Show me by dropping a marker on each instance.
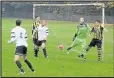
(82, 30)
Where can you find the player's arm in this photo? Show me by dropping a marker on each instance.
(26, 36)
(34, 31)
(75, 35)
(33, 28)
(47, 33)
(104, 29)
(89, 28)
(91, 31)
(12, 37)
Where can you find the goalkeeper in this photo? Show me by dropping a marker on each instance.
(79, 38)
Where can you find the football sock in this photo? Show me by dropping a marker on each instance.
(36, 52)
(29, 65)
(45, 53)
(81, 55)
(19, 65)
(99, 54)
(99, 57)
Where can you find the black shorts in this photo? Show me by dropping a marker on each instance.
(39, 43)
(35, 40)
(96, 42)
(21, 50)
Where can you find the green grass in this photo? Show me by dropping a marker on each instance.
(59, 64)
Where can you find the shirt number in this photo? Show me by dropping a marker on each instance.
(21, 35)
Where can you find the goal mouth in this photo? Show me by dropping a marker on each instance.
(71, 5)
(72, 12)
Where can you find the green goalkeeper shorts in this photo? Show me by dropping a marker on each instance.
(79, 42)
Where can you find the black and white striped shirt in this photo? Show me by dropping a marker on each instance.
(97, 32)
(34, 26)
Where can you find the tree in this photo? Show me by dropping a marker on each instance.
(109, 4)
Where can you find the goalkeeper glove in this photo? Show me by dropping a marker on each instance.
(74, 37)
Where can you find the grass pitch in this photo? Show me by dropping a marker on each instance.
(59, 64)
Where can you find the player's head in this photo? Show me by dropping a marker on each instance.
(97, 23)
(18, 22)
(81, 20)
(44, 23)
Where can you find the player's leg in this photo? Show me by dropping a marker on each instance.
(38, 44)
(74, 43)
(85, 50)
(36, 49)
(83, 45)
(44, 48)
(99, 49)
(92, 44)
(28, 63)
(34, 41)
(25, 59)
(17, 57)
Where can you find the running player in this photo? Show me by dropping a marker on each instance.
(19, 36)
(97, 31)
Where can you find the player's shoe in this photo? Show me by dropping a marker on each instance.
(46, 56)
(84, 59)
(33, 70)
(22, 71)
(81, 56)
(69, 48)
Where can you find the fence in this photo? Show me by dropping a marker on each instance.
(25, 11)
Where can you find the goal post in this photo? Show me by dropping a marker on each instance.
(103, 21)
(84, 4)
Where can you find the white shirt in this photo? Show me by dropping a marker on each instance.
(42, 32)
(19, 36)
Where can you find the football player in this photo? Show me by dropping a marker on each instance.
(36, 23)
(97, 31)
(19, 36)
(79, 38)
(43, 32)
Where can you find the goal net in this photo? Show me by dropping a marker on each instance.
(71, 12)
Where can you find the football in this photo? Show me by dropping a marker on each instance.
(60, 47)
